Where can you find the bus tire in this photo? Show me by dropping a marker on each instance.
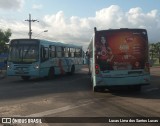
(72, 70)
(51, 73)
(26, 78)
(95, 89)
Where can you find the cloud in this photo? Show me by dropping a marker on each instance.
(11, 4)
(37, 6)
(79, 30)
(110, 16)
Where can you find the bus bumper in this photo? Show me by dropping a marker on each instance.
(32, 73)
(123, 81)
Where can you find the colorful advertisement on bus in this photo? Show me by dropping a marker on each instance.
(121, 49)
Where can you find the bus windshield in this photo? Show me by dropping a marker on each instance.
(23, 51)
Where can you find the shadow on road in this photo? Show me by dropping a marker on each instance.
(18, 89)
(134, 94)
(80, 82)
(151, 91)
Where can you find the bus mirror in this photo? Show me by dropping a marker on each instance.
(95, 29)
(86, 53)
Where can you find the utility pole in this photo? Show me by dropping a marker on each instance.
(30, 30)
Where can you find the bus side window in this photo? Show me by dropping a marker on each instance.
(44, 53)
(72, 52)
(66, 52)
(59, 51)
(63, 51)
(78, 52)
(52, 52)
(69, 52)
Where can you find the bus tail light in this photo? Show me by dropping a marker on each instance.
(147, 67)
(97, 69)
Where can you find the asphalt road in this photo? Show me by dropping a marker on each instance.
(72, 96)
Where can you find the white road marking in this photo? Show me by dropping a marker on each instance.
(58, 110)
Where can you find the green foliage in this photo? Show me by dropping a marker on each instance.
(154, 51)
(4, 38)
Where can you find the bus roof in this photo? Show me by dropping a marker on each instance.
(121, 29)
(56, 43)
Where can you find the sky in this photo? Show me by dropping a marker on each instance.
(73, 21)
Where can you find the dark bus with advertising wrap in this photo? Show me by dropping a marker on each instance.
(119, 57)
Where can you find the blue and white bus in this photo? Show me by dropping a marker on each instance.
(119, 57)
(40, 58)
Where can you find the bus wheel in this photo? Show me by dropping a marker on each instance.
(72, 70)
(51, 73)
(95, 89)
(98, 89)
(25, 77)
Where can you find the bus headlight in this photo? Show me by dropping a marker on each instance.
(36, 66)
(9, 66)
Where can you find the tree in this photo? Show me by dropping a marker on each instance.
(157, 50)
(4, 37)
(152, 50)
